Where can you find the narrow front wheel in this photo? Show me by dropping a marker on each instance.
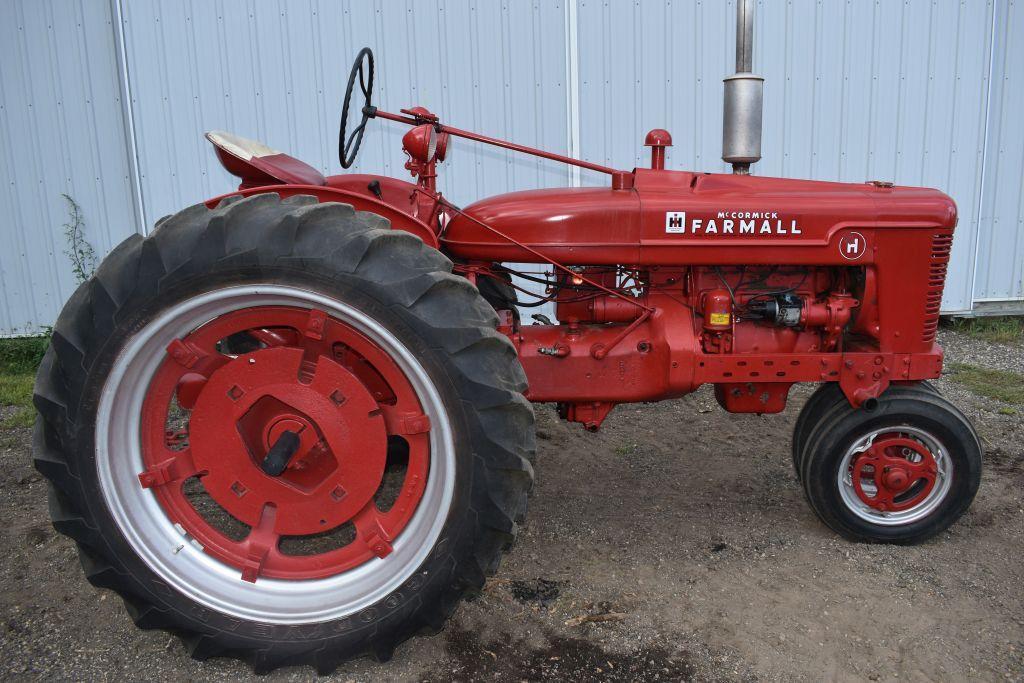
(900, 473)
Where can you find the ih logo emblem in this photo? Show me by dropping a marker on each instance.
(852, 246)
(675, 221)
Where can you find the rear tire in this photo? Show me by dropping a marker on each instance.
(900, 473)
(497, 290)
(290, 258)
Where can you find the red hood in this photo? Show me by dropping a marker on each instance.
(603, 226)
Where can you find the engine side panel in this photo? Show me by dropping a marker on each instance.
(898, 235)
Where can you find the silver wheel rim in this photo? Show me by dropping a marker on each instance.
(185, 567)
(944, 479)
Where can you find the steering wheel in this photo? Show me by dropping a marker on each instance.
(347, 149)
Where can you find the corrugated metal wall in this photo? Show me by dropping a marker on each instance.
(61, 132)
(855, 90)
(1000, 273)
(276, 71)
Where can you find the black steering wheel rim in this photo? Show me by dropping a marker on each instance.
(348, 149)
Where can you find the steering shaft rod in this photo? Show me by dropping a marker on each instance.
(372, 112)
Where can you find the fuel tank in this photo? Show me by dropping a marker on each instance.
(678, 217)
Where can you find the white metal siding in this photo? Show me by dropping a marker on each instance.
(61, 132)
(1000, 274)
(277, 72)
(855, 90)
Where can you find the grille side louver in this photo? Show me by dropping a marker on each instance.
(941, 245)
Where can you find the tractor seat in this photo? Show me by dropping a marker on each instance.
(256, 164)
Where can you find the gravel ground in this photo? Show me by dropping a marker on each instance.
(963, 349)
(683, 523)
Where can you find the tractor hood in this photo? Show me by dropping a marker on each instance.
(674, 217)
(560, 221)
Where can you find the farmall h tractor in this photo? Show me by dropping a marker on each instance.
(293, 424)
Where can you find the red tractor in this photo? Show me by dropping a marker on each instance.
(294, 425)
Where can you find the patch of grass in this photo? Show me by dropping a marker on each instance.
(19, 359)
(626, 449)
(998, 384)
(23, 417)
(22, 355)
(1007, 411)
(16, 390)
(1003, 329)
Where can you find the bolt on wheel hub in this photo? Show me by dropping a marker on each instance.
(895, 479)
(291, 440)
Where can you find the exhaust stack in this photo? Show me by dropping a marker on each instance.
(741, 125)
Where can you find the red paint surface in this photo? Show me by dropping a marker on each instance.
(318, 377)
(867, 261)
(900, 483)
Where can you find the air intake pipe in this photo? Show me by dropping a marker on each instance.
(741, 125)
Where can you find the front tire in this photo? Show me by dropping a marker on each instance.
(900, 473)
(824, 398)
(157, 432)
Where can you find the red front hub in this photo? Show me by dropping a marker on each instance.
(901, 472)
(291, 438)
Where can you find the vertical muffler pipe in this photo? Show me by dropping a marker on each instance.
(741, 125)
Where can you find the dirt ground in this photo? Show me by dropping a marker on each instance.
(684, 523)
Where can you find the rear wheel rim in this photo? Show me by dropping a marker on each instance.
(895, 476)
(199, 560)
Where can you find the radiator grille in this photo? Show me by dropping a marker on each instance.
(941, 245)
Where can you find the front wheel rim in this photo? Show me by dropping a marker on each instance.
(895, 476)
(276, 589)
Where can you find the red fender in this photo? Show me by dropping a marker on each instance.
(399, 219)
